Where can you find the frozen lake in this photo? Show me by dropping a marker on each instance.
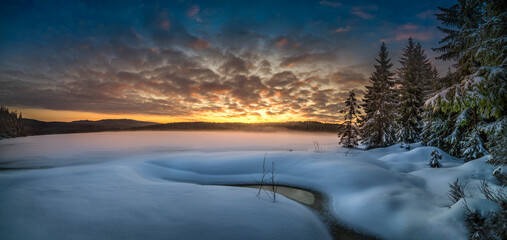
(68, 149)
(117, 185)
(165, 185)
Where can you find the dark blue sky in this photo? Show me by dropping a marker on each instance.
(202, 60)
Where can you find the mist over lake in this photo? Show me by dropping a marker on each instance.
(69, 149)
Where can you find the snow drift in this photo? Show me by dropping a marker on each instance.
(149, 185)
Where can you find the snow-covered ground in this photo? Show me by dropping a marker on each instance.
(148, 185)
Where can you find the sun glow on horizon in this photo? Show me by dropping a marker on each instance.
(49, 115)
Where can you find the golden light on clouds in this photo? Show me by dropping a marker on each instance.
(179, 61)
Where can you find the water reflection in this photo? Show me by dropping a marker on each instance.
(296, 194)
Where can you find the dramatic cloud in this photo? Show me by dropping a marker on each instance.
(233, 66)
(307, 59)
(348, 78)
(282, 79)
(199, 60)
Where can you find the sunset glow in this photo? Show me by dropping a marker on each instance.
(67, 116)
(198, 61)
(264, 119)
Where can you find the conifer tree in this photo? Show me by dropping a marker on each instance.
(435, 82)
(435, 157)
(427, 74)
(349, 133)
(413, 76)
(468, 118)
(10, 124)
(378, 123)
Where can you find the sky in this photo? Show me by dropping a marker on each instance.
(223, 61)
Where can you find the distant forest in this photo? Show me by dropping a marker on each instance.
(13, 124)
(308, 126)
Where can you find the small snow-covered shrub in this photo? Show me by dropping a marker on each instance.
(457, 191)
(498, 196)
(494, 224)
(490, 226)
(474, 221)
(435, 156)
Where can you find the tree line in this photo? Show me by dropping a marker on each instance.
(463, 112)
(392, 108)
(308, 126)
(11, 124)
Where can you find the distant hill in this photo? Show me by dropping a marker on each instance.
(36, 127)
(116, 123)
(308, 126)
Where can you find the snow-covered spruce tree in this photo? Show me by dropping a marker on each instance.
(378, 124)
(413, 77)
(468, 118)
(349, 133)
(435, 157)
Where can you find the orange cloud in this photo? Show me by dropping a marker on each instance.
(165, 24)
(342, 29)
(415, 35)
(361, 13)
(200, 44)
(408, 26)
(403, 32)
(282, 42)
